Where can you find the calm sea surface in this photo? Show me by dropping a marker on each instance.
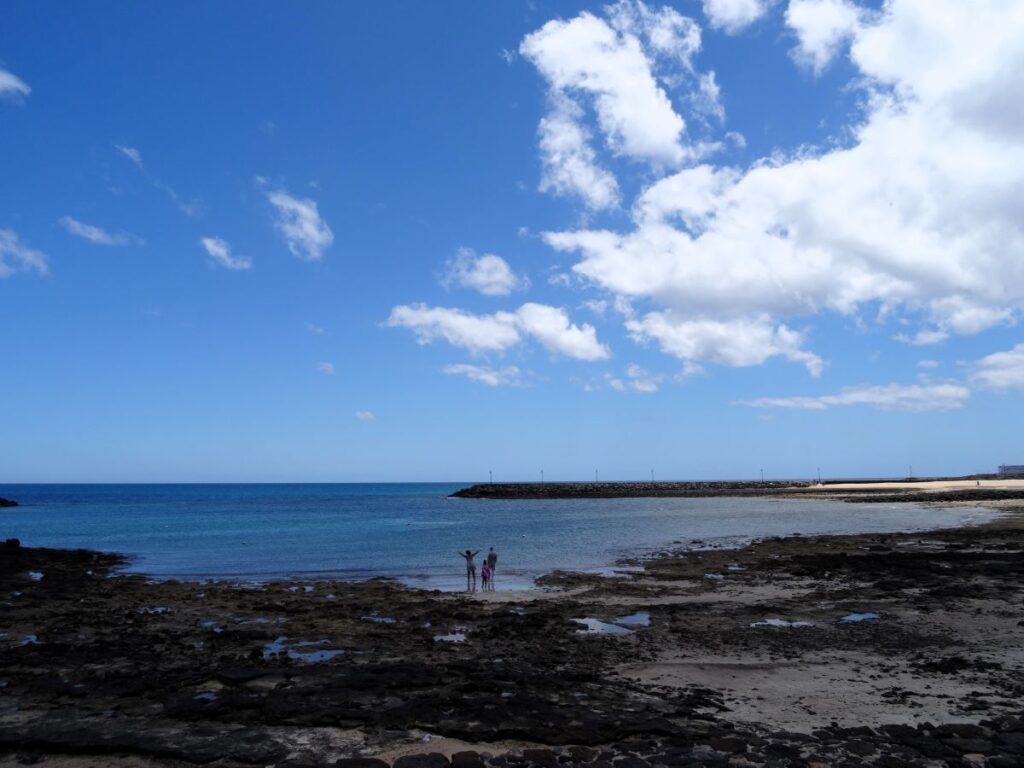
(406, 530)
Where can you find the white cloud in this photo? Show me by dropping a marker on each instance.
(928, 363)
(588, 56)
(733, 16)
(916, 218)
(315, 329)
(12, 86)
(131, 153)
(219, 252)
(923, 338)
(95, 234)
(501, 330)
(551, 327)
(477, 333)
(887, 397)
(15, 256)
(489, 274)
(492, 377)
(569, 162)
(1001, 370)
(738, 343)
(821, 27)
(365, 416)
(298, 220)
(326, 368)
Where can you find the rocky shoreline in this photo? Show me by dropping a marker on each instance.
(888, 650)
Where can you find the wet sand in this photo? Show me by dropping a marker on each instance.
(744, 660)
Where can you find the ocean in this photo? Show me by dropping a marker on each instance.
(409, 531)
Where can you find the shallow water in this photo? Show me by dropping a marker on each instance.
(596, 627)
(409, 531)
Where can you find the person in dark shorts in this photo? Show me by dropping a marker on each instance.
(470, 568)
(492, 560)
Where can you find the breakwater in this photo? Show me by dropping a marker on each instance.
(615, 490)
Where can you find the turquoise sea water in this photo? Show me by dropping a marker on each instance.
(408, 531)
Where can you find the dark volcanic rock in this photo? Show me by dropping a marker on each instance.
(7, 502)
(432, 760)
(467, 759)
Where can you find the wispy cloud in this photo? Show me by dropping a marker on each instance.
(192, 208)
(219, 252)
(315, 329)
(131, 153)
(365, 416)
(636, 379)
(325, 368)
(887, 397)
(95, 234)
(15, 256)
(299, 221)
(492, 377)
(12, 86)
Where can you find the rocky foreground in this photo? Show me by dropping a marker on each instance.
(888, 650)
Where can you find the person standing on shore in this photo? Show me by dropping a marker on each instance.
(485, 577)
(492, 560)
(470, 568)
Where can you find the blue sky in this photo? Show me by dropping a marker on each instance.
(341, 242)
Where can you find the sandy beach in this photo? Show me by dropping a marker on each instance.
(886, 649)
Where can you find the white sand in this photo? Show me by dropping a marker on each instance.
(1007, 484)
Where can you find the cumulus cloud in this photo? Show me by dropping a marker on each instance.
(492, 377)
(587, 55)
(917, 218)
(12, 86)
(365, 416)
(497, 332)
(551, 327)
(477, 333)
(326, 368)
(887, 397)
(95, 234)
(298, 220)
(734, 16)
(620, 68)
(15, 256)
(738, 343)
(569, 163)
(1001, 370)
(821, 28)
(489, 274)
(219, 252)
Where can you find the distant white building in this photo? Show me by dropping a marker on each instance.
(1011, 470)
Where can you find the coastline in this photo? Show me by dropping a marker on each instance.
(184, 673)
